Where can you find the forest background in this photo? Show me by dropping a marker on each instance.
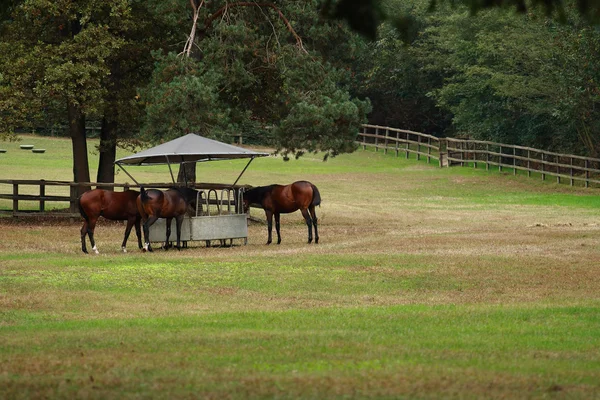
(299, 76)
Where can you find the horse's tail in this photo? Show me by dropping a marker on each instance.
(82, 211)
(143, 195)
(316, 200)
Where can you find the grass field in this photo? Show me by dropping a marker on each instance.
(428, 283)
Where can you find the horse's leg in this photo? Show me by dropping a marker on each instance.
(314, 221)
(168, 233)
(90, 231)
(130, 223)
(138, 232)
(147, 226)
(84, 229)
(277, 227)
(178, 222)
(309, 223)
(269, 225)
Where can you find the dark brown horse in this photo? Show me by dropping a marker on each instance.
(117, 206)
(278, 199)
(172, 203)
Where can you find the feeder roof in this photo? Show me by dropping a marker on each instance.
(188, 148)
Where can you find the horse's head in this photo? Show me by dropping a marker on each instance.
(246, 202)
(255, 196)
(189, 195)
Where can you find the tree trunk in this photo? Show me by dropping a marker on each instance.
(108, 153)
(187, 173)
(81, 168)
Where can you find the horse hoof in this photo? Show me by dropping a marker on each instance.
(124, 249)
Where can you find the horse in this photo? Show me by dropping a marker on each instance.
(172, 203)
(117, 206)
(278, 199)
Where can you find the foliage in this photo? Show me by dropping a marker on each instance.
(249, 72)
(500, 76)
(520, 80)
(365, 16)
(392, 75)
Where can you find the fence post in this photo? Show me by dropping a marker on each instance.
(587, 174)
(42, 194)
(528, 163)
(418, 147)
(543, 167)
(407, 146)
(487, 156)
(571, 172)
(397, 137)
(376, 139)
(474, 149)
(500, 160)
(557, 169)
(15, 198)
(428, 150)
(364, 143)
(514, 161)
(386, 141)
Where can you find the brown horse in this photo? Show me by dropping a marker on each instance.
(172, 203)
(117, 206)
(278, 199)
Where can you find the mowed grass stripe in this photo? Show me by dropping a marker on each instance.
(474, 345)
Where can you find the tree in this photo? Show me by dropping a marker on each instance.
(253, 72)
(519, 79)
(61, 49)
(365, 16)
(82, 61)
(149, 26)
(391, 72)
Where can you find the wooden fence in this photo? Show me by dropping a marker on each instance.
(569, 167)
(450, 152)
(401, 141)
(64, 196)
(447, 152)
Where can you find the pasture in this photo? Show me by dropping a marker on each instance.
(427, 283)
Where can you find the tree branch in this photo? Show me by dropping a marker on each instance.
(208, 22)
(190, 41)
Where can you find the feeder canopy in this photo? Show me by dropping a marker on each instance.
(188, 148)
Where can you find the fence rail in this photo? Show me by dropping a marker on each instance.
(66, 194)
(570, 167)
(451, 151)
(447, 151)
(400, 140)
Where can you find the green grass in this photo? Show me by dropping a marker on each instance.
(428, 283)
